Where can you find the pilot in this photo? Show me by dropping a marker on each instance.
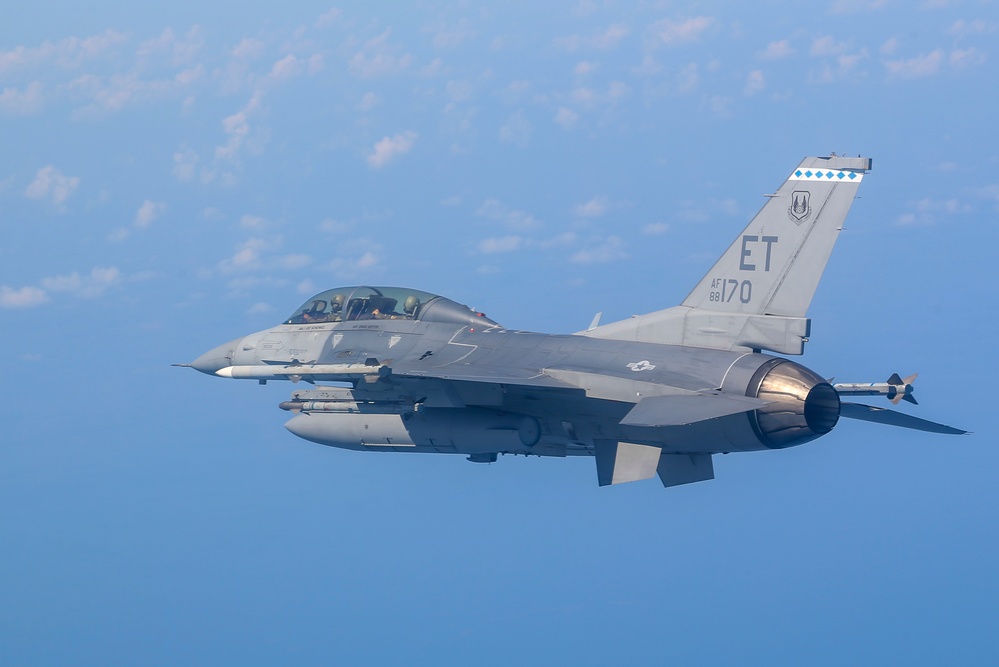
(336, 307)
(410, 305)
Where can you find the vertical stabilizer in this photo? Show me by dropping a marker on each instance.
(774, 265)
(755, 297)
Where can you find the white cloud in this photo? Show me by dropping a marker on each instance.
(363, 263)
(459, 91)
(845, 67)
(148, 212)
(67, 53)
(603, 40)
(656, 228)
(333, 226)
(967, 57)
(777, 50)
(827, 46)
(22, 103)
(688, 78)
(594, 208)
(589, 97)
(516, 130)
(720, 105)
(212, 213)
(119, 234)
(610, 249)
(329, 18)
(855, 6)
(248, 49)
(500, 244)
(113, 92)
(317, 63)
(434, 68)
(24, 297)
(679, 32)
(566, 117)
(259, 308)
(755, 83)
(368, 101)
(515, 92)
(367, 260)
(253, 222)
(650, 66)
(181, 50)
(247, 256)
(448, 37)
(889, 47)
(918, 67)
(611, 37)
(295, 261)
(52, 184)
(286, 68)
(492, 209)
(188, 76)
(88, 285)
(560, 241)
(389, 148)
(929, 211)
(962, 28)
(378, 58)
(185, 163)
(237, 128)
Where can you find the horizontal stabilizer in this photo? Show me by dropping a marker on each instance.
(687, 409)
(869, 413)
(676, 469)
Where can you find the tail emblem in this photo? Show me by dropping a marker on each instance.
(800, 208)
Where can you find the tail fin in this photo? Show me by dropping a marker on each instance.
(756, 295)
(774, 266)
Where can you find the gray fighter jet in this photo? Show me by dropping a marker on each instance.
(401, 370)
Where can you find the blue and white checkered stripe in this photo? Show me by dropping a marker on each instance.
(802, 174)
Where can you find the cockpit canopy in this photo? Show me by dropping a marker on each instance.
(348, 304)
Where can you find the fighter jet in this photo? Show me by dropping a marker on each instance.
(395, 369)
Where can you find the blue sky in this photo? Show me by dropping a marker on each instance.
(173, 178)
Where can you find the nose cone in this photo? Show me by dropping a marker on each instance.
(216, 359)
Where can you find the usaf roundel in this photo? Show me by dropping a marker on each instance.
(800, 208)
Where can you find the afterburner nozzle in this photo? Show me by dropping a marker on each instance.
(801, 405)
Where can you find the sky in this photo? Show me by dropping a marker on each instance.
(177, 177)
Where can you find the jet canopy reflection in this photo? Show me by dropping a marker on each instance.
(364, 302)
